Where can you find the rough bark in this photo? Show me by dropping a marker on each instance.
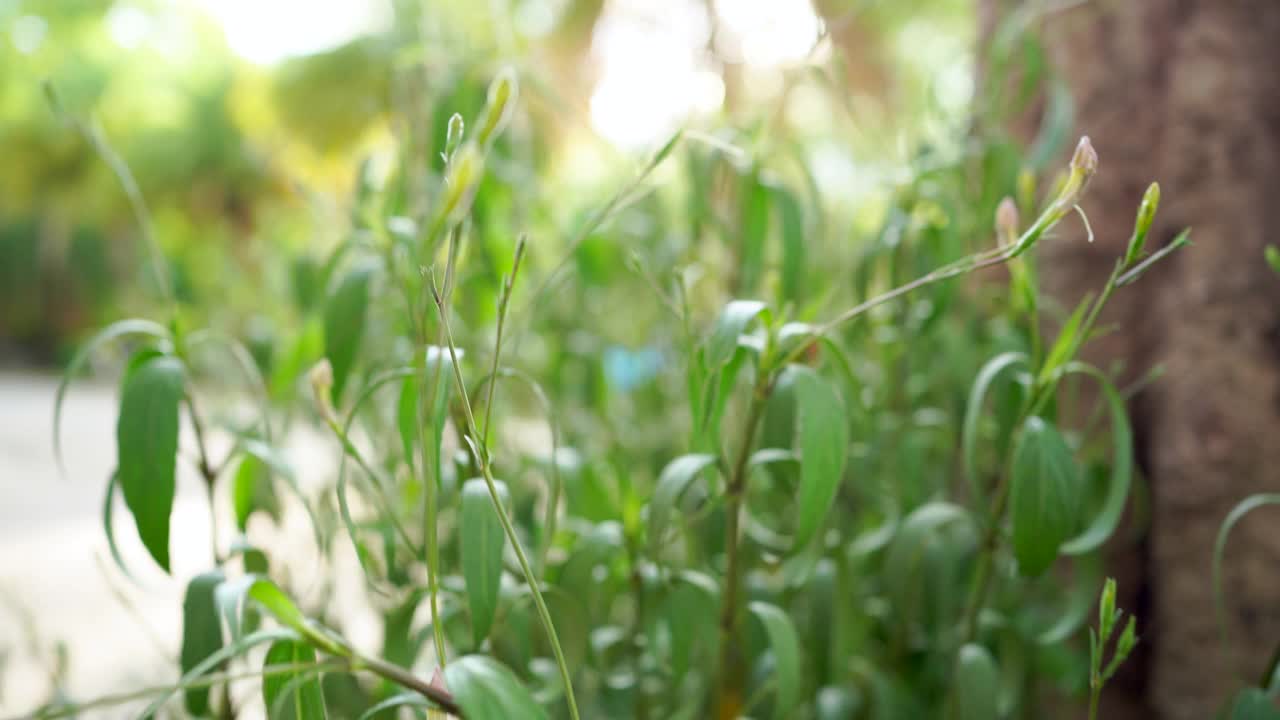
(1187, 92)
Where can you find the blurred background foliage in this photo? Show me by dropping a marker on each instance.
(242, 123)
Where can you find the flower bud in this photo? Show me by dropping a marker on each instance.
(321, 377)
(1085, 158)
(453, 137)
(1107, 610)
(464, 173)
(1142, 224)
(1007, 222)
(1027, 189)
(502, 96)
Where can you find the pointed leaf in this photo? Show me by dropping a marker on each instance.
(292, 695)
(1046, 495)
(201, 633)
(824, 439)
(977, 684)
(482, 541)
(732, 322)
(1108, 517)
(147, 446)
(676, 477)
(486, 690)
(785, 644)
(344, 321)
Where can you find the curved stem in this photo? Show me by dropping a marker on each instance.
(487, 473)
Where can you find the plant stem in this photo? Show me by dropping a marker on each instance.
(486, 471)
(728, 676)
(1095, 691)
(60, 711)
(207, 472)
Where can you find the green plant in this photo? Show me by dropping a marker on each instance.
(797, 513)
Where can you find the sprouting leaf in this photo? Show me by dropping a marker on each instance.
(732, 322)
(486, 690)
(201, 633)
(292, 695)
(344, 320)
(672, 483)
(1108, 517)
(147, 446)
(977, 684)
(824, 439)
(481, 541)
(1046, 495)
(112, 332)
(785, 644)
(1068, 341)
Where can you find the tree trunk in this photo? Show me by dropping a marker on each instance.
(1187, 92)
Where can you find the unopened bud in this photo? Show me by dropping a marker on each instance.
(453, 138)
(1027, 190)
(321, 377)
(502, 98)
(464, 173)
(1085, 158)
(1007, 221)
(1142, 224)
(1107, 610)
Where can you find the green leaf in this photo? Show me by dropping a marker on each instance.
(404, 699)
(1046, 495)
(1273, 257)
(672, 483)
(732, 322)
(482, 541)
(785, 644)
(753, 231)
(824, 439)
(977, 684)
(344, 320)
(1064, 347)
(251, 490)
(690, 609)
(1253, 704)
(1108, 517)
(973, 414)
(108, 525)
(1243, 508)
(232, 595)
(147, 446)
(236, 647)
(486, 690)
(201, 633)
(292, 695)
(791, 219)
(112, 332)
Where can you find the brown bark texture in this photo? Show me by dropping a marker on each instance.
(1186, 92)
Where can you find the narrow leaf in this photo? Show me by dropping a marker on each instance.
(785, 644)
(482, 542)
(732, 322)
(675, 479)
(824, 438)
(201, 634)
(147, 446)
(344, 320)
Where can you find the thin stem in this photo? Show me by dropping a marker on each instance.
(485, 470)
(207, 472)
(354, 452)
(1095, 692)
(204, 681)
(728, 680)
(406, 679)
